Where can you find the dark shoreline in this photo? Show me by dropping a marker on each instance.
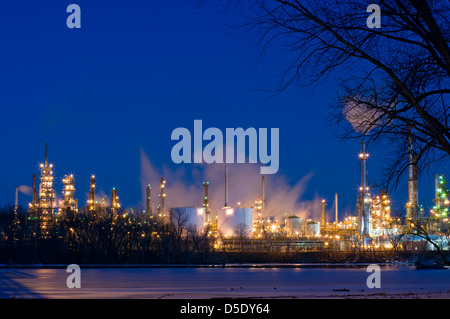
(217, 259)
(243, 265)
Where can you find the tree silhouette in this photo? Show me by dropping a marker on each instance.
(391, 78)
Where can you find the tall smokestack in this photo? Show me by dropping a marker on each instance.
(226, 186)
(206, 203)
(364, 200)
(323, 204)
(114, 204)
(92, 194)
(363, 157)
(16, 201)
(162, 196)
(412, 207)
(16, 221)
(336, 208)
(148, 200)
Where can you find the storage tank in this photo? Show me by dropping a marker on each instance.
(293, 225)
(312, 228)
(189, 217)
(234, 222)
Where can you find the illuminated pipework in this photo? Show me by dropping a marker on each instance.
(259, 222)
(385, 208)
(114, 201)
(47, 198)
(258, 208)
(381, 212)
(69, 201)
(441, 199)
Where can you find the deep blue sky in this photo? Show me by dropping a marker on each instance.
(135, 71)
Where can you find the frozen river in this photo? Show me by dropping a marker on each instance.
(232, 282)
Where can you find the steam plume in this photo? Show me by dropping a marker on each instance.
(244, 187)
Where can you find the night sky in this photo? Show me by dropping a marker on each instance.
(135, 71)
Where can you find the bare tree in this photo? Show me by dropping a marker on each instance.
(393, 78)
(242, 233)
(419, 229)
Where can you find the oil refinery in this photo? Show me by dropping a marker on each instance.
(245, 228)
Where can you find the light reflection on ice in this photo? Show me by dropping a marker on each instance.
(194, 282)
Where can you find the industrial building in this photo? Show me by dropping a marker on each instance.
(439, 213)
(237, 227)
(45, 210)
(43, 206)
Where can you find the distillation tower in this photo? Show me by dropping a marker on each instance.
(69, 203)
(47, 196)
(381, 214)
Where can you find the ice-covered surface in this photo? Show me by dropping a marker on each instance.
(230, 282)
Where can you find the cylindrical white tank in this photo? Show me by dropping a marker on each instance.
(190, 218)
(236, 222)
(312, 229)
(293, 225)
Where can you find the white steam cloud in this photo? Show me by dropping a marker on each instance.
(364, 114)
(244, 185)
(27, 190)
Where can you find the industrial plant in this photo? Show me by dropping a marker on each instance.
(238, 228)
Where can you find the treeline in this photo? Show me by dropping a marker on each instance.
(96, 239)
